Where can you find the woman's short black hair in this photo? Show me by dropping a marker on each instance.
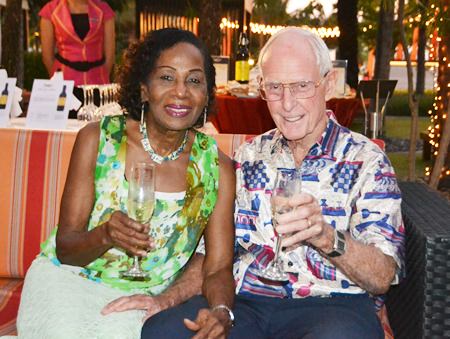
(140, 59)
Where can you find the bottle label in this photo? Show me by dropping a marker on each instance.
(3, 101)
(4, 97)
(61, 103)
(242, 70)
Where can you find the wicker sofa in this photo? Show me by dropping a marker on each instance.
(419, 307)
(33, 169)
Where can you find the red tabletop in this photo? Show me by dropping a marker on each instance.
(251, 115)
(345, 109)
(242, 115)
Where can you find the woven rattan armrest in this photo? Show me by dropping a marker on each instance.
(419, 307)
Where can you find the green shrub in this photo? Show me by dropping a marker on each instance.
(398, 104)
(33, 69)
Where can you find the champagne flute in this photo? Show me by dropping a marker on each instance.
(141, 201)
(287, 184)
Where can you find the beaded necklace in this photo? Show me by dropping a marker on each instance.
(155, 156)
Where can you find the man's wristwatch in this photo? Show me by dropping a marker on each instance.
(339, 246)
(227, 309)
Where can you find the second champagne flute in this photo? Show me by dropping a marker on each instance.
(141, 201)
(287, 184)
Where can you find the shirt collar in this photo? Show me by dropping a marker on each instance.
(327, 141)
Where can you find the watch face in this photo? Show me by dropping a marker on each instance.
(334, 254)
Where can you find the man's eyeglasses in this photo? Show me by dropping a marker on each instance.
(274, 91)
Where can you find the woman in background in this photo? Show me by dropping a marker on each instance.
(84, 36)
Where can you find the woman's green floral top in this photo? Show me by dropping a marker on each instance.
(177, 223)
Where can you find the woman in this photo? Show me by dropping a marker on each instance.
(167, 86)
(83, 31)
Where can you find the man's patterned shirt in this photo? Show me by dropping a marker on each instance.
(353, 181)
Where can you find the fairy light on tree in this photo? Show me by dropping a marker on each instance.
(439, 129)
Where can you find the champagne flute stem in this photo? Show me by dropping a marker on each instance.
(136, 262)
(277, 250)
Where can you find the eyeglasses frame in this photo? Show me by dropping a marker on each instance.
(289, 85)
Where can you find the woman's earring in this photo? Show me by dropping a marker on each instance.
(142, 113)
(205, 115)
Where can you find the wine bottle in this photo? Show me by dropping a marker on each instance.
(4, 97)
(62, 99)
(242, 68)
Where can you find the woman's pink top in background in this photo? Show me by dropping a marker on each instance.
(71, 47)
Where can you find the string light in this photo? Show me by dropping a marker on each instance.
(438, 114)
(256, 28)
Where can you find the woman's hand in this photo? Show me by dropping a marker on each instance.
(210, 324)
(151, 305)
(126, 233)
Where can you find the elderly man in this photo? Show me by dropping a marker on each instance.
(343, 237)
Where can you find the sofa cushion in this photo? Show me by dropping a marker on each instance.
(33, 174)
(10, 290)
(33, 171)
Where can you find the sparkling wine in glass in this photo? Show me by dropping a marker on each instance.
(287, 184)
(141, 201)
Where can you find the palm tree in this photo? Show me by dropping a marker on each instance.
(269, 12)
(209, 31)
(312, 15)
(413, 100)
(442, 160)
(12, 40)
(384, 39)
(348, 39)
(272, 12)
(420, 81)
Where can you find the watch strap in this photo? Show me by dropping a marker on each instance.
(339, 246)
(227, 309)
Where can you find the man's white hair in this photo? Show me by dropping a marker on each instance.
(318, 45)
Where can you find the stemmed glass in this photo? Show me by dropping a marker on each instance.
(100, 111)
(141, 201)
(116, 109)
(86, 111)
(287, 184)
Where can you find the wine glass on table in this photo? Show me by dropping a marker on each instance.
(287, 184)
(141, 201)
(86, 112)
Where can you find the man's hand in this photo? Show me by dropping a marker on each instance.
(305, 223)
(151, 305)
(210, 324)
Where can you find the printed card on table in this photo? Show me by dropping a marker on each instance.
(340, 67)
(222, 64)
(49, 104)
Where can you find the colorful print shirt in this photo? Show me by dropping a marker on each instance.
(353, 181)
(177, 223)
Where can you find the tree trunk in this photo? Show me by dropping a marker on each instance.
(209, 30)
(422, 45)
(442, 160)
(420, 80)
(442, 157)
(412, 100)
(384, 40)
(348, 39)
(12, 40)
